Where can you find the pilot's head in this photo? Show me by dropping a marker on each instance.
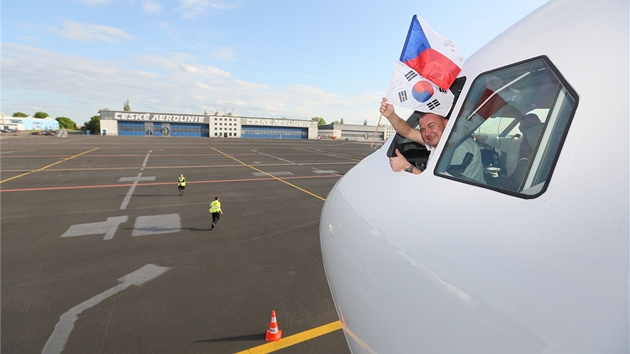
(431, 127)
(527, 121)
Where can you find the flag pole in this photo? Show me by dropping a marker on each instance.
(375, 130)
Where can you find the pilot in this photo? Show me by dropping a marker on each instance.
(431, 128)
(511, 146)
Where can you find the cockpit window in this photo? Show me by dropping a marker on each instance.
(510, 129)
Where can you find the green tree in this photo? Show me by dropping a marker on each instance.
(94, 125)
(341, 121)
(126, 107)
(319, 120)
(20, 114)
(66, 123)
(40, 115)
(365, 122)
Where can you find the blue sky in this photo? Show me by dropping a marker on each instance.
(265, 58)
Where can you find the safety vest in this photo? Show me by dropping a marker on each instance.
(182, 181)
(215, 206)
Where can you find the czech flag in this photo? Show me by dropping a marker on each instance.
(431, 55)
(428, 65)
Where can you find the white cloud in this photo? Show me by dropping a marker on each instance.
(151, 7)
(77, 87)
(90, 33)
(195, 8)
(203, 71)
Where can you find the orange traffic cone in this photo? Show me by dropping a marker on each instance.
(273, 334)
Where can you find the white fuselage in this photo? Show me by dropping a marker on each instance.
(427, 264)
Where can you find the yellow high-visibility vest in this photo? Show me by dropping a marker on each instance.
(215, 206)
(182, 181)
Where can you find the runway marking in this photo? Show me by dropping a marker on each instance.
(125, 202)
(156, 184)
(157, 224)
(274, 177)
(275, 157)
(45, 167)
(131, 179)
(317, 170)
(294, 339)
(280, 173)
(108, 228)
(59, 337)
(8, 152)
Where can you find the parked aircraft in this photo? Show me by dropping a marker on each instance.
(535, 259)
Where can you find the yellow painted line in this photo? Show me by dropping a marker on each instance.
(45, 167)
(294, 339)
(270, 175)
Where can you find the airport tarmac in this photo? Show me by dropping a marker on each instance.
(100, 253)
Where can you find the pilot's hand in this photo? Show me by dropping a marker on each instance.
(398, 162)
(386, 109)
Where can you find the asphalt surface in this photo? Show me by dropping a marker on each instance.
(138, 269)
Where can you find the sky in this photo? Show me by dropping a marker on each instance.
(263, 58)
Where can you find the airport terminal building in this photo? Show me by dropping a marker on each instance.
(129, 123)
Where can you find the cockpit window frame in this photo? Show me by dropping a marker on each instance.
(556, 149)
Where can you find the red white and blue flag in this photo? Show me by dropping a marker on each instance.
(428, 65)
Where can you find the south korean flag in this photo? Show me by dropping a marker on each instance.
(410, 90)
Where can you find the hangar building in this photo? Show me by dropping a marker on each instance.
(355, 132)
(199, 125)
(28, 123)
(231, 126)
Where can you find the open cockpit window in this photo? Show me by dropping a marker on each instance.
(414, 152)
(510, 129)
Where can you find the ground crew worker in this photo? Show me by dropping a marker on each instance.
(182, 184)
(215, 210)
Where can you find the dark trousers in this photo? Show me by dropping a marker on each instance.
(215, 217)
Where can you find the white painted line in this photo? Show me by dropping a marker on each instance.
(57, 340)
(9, 152)
(275, 157)
(281, 173)
(157, 224)
(317, 170)
(125, 202)
(141, 179)
(144, 164)
(108, 228)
